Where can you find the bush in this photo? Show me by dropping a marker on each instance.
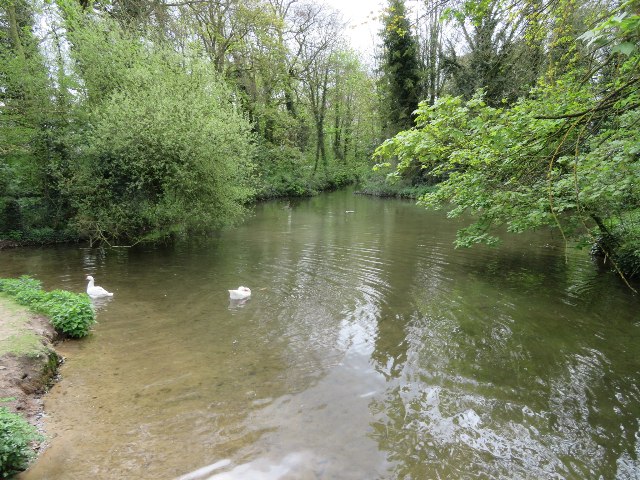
(167, 150)
(30, 235)
(16, 438)
(70, 313)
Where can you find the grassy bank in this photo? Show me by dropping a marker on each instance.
(30, 319)
(27, 365)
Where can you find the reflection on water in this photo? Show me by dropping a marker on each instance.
(236, 304)
(370, 348)
(100, 303)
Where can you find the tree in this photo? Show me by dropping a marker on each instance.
(496, 56)
(400, 69)
(269, 67)
(431, 43)
(317, 42)
(565, 157)
(167, 152)
(30, 111)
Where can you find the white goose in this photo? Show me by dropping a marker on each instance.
(95, 291)
(239, 293)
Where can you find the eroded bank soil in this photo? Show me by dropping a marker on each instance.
(28, 362)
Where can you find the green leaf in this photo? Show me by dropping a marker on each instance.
(626, 48)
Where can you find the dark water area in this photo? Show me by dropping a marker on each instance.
(369, 349)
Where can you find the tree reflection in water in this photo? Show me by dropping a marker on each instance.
(486, 380)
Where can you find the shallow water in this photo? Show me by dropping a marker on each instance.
(370, 348)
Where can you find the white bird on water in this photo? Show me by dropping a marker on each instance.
(95, 291)
(239, 293)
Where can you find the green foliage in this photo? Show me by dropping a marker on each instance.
(167, 152)
(15, 286)
(539, 163)
(29, 109)
(625, 233)
(384, 186)
(10, 216)
(21, 221)
(401, 69)
(16, 439)
(145, 127)
(620, 32)
(70, 313)
(505, 47)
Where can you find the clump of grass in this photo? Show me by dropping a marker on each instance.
(70, 313)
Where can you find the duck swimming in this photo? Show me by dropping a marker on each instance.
(95, 291)
(239, 293)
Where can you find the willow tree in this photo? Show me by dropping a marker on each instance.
(165, 150)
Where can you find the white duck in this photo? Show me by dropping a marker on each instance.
(95, 291)
(239, 293)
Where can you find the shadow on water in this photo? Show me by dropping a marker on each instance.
(370, 348)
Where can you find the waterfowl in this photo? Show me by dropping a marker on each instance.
(239, 293)
(95, 291)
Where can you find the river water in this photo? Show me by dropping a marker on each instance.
(369, 349)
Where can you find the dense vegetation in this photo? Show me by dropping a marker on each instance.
(126, 121)
(70, 313)
(139, 121)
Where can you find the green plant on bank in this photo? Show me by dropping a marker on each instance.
(16, 439)
(70, 313)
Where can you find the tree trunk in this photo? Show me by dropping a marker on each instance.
(607, 243)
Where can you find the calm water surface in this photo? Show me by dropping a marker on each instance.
(370, 349)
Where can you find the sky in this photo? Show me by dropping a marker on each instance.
(363, 19)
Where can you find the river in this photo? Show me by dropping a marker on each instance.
(369, 349)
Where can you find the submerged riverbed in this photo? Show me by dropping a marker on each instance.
(370, 348)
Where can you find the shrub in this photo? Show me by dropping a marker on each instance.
(70, 313)
(16, 439)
